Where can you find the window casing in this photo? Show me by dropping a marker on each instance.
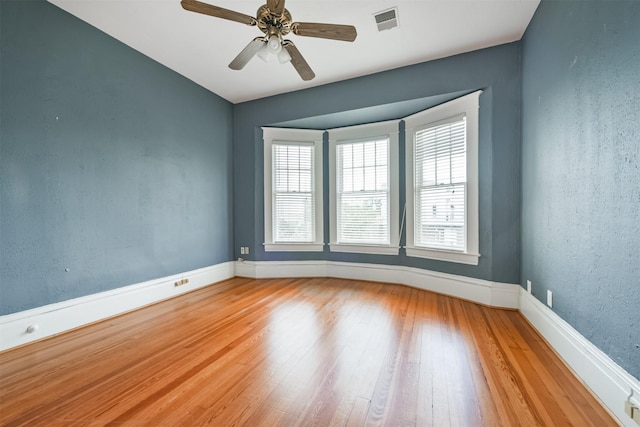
(364, 188)
(293, 190)
(442, 181)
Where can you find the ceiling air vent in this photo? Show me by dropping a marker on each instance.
(387, 19)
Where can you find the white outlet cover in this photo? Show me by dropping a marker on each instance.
(549, 298)
(529, 286)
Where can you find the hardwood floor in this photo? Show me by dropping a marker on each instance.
(297, 352)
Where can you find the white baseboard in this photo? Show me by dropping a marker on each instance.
(485, 292)
(56, 318)
(606, 379)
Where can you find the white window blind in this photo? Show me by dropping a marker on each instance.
(440, 185)
(293, 202)
(293, 197)
(442, 181)
(362, 192)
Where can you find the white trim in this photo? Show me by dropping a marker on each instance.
(297, 137)
(363, 132)
(277, 269)
(485, 292)
(606, 379)
(468, 105)
(364, 249)
(357, 133)
(292, 135)
(59, 317)
(442, 255)
(293, 247)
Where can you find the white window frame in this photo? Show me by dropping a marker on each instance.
(388, 129)
(294, 137)
(467, 105)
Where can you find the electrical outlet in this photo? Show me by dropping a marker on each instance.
(246, 250)
(631, 409)
(529, 286)
(549, 298)
(241, 250)
(181, 282)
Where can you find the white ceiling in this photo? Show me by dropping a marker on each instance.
(200, 47)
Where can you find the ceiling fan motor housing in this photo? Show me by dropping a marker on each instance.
(270, 23)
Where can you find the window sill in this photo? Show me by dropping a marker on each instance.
(364, 249)
(444, 255)
(293, 247)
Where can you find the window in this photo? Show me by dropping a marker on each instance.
(364, 188)
(442, 181)
(293, 190)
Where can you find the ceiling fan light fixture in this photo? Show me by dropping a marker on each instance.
(284, 56)
(264, 53)
(275, 46)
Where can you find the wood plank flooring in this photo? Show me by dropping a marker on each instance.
(325, 352)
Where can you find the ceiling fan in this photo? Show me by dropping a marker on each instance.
(275, 22)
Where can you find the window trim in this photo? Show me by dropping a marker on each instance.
(357, 133)
(294, 137)
(468, 105)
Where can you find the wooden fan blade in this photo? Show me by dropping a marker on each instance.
(247, 53)
(346, 33)
(276, 6)
(298, 61)
(218, 12)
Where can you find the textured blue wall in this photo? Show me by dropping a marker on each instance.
(112, 166)
(581, 169)
(495, 70)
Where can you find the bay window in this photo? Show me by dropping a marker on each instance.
(364, 188)
(293, 189)
(442, 181)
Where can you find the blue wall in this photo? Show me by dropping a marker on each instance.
(112, 166)
(581, 169)
(495, 70)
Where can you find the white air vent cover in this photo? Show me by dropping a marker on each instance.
(387, 19)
